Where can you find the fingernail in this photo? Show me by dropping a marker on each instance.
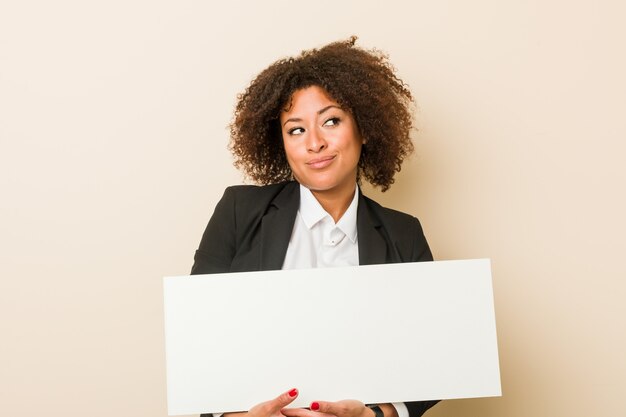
(293, 392)
(315, 406)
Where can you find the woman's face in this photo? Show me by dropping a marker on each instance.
(322, 142)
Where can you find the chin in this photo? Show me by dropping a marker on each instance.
(323, 182)
(318, 187)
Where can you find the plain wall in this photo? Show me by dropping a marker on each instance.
(113, 133)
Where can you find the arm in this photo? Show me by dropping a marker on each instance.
(271, 408)
(344, 408)
(211, 256)
(421, 253)
(218, 244)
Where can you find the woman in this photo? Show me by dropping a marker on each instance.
(309, 129)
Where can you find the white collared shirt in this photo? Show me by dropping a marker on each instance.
(317, 241)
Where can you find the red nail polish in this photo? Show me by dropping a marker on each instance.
(315, 406)
(293, 392)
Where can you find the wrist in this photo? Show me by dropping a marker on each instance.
(388, 410)
(376, 410)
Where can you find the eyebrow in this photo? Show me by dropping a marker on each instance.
(319, 112)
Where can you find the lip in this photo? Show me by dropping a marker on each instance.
(319, 163)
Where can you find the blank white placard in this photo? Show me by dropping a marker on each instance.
(379, 333)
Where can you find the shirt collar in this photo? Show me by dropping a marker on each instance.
(312, 212)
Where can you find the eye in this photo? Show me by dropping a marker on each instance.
(295, 131)
(333, 121)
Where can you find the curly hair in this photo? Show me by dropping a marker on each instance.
(363, 82)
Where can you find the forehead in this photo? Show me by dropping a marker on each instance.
(305, 100)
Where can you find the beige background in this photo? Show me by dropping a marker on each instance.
(112, 155)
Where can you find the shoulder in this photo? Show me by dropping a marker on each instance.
(390, 218)
(234, 224)
(257, 194)
(254, 200)
(402, 230)
(258, 191)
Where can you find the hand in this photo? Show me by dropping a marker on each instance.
(344, 408)
(271, 408)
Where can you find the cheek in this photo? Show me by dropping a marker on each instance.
(355, 148)
(292, 153)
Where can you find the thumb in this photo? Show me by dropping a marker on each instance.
(283, 399)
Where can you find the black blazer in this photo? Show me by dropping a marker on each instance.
(251, 227)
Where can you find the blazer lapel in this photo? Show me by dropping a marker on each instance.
(372, 245)
(277, 225)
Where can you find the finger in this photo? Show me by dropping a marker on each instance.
(298, 412)
(339, 409)
(326, 407)
(302, 412)
(283, 399)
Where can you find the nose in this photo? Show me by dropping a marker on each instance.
(315, 141)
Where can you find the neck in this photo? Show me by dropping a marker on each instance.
(335, 202)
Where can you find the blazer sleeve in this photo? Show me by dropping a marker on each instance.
(417, 408)
(421, 253)
(421, 250)
(218, 245)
